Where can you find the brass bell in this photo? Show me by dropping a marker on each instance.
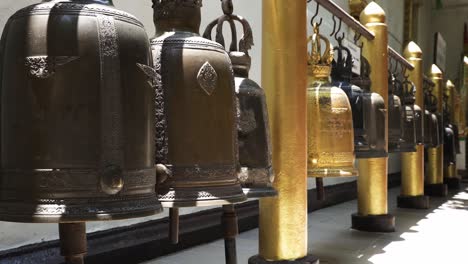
(419, 124)
(395, 115)
(255, 162)
(76, 115)
(330, 122)
(408, 97)
(196, 121)
(369, 118)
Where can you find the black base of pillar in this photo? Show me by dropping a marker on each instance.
(307, 260)
(413, 202)
(453, 183)
(373, 223)
(439, 190)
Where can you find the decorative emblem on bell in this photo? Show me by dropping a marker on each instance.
(196, 122)
(368, 108)
(76, 119)
(395, 115)
(256, 170)
(431, 123)
(330, 121)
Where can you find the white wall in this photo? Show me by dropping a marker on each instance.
(13, 235)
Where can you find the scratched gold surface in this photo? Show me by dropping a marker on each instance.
(434, 166)
(372, 180)
(412, 163)
(283, 220)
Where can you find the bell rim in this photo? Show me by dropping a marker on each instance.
(153, 208)
(333, 173)
(176, 197)
(262, 192)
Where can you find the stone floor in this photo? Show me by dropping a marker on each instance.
(437, 235)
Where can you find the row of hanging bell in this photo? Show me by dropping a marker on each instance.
(330, 121)
(432, 137)
(368, 108)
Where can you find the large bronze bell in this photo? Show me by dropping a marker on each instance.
(395, 115)
(431, 122)
(369, 114)
(256, 170)
(76, 119)
(330, 122)
(408, 96)
(196, 119)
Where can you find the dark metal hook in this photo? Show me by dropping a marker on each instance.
(357, 37)
(316, 14)
(337, 38)
(334, 26)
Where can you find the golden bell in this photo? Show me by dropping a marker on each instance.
(330, 124)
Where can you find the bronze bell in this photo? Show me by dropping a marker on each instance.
(369, 115)
(431, 122)
(196, 122)
(330, 122)
(408, 97)
(395, 115)
(419, 124)
(255, 162)
(76, 117)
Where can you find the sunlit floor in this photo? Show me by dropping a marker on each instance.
(437, 235)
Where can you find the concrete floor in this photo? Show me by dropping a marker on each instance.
(437, 235)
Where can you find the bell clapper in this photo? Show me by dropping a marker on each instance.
(73, 244)
(174, 225)
(231, 230)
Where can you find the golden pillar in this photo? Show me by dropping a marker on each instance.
(450, 170)
(412, 163)
(435, 176)
(372, 212)
(283, 219)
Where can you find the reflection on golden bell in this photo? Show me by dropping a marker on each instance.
(330, 132)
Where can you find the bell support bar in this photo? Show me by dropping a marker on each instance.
(338, 12)
(346, 18)
(400, 59)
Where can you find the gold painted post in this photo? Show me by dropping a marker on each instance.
(450, 170)
(435, 175)
(372, 181)
(283, 219)
(412, 163)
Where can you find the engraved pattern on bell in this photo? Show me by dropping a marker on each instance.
(207, 78)
(43, 67)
